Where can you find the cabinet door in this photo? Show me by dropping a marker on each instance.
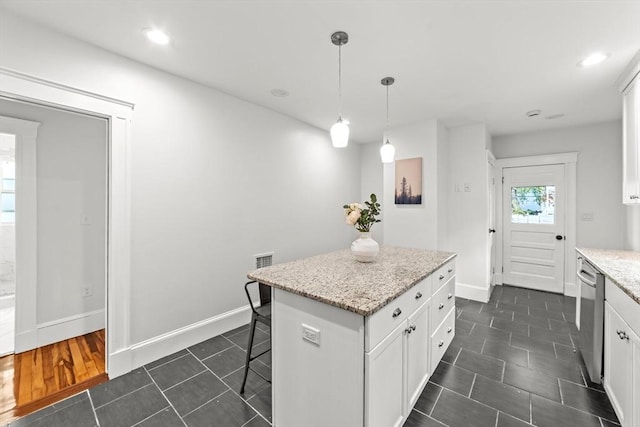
(417, 355)
(635, 394)
(384, 394)
(631, 144)
(618, 364)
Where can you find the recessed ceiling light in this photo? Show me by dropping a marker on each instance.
(280, 93)
(157, 36)
(593, 59)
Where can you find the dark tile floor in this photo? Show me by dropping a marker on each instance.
(512, 363)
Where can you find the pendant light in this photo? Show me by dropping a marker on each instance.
(340, 129)
(387, 151)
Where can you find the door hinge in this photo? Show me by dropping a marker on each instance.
(503, 269)
(503, 179)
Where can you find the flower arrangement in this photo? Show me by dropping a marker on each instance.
(363, 217)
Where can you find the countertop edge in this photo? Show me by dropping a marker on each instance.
(608, 274)
(349, 307)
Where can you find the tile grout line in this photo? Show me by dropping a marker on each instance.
(165, 397)
(246, 401)
(93, 408)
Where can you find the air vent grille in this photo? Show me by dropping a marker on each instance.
(264, 260)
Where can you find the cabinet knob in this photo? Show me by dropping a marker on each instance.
(449, 329)
(419, 295)
(441, 277)
(397, 312)
(408, 330)
(634, 197)
(449, 270)
(413, 327)
(449, 296)
(441, 343)
(441, 306)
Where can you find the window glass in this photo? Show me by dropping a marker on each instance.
(533, 205)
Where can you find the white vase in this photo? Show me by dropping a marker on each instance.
(364, 248)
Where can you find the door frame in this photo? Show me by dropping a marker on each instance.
(569, 160)
(22, 87)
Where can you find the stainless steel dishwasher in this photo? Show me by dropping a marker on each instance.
(590, 340)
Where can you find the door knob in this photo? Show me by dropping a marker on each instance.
(559, 237)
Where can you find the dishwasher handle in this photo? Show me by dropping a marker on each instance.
(586, 277)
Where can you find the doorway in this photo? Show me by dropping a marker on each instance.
(536, 208)
(534, 227)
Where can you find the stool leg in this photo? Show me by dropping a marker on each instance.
(249, 348)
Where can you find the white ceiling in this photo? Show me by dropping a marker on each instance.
(458, 61)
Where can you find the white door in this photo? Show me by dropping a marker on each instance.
(534, 227)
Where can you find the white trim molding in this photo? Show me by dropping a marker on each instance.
(26, 88)
(173, 341)
(569, 160)
(26, 133)
(476, 293)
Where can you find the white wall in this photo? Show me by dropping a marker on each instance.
(631, 234)
(599, 175)
(468, 210)
(413, 226)
(214, 180)
(371, 182)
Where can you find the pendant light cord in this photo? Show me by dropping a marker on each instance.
(340, 81)
(387, 108)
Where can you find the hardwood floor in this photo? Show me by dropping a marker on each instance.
(37, 378)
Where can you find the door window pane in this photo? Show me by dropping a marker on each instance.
(533, 205)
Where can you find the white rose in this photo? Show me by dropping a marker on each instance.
(353, 217)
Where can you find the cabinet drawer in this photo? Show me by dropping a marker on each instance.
(442, 337)
(381, 323)
(443, 274)
(442, 301)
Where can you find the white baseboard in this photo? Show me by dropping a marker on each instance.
(163, 345)
(69, 327)
(471, 292)
(59, 330)
(570, 289)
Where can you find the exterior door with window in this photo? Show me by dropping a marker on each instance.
(534, 227)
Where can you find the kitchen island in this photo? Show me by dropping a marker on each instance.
(354, 344)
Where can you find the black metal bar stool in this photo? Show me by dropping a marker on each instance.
(261, 314)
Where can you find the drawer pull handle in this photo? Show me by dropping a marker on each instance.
(449, 329)
(397, 312)
(623, 335)
(441, 306)
(441, 276)
(419, 295)
(441, 343)
(449, 296)
(450, 270)
(634, 197)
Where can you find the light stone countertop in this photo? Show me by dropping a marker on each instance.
(622, 267)
(336, 278)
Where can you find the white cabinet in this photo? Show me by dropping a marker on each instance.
(631, 143)
(622, 355)
(384, 382)
(397, 370)
(417, 355)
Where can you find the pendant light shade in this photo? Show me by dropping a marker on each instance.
(340, 133)
(387, 151)
(340, 129)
